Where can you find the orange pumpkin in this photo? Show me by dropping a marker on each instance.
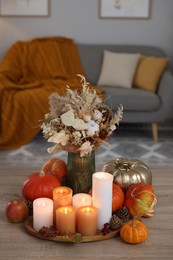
(39, 184)
(134, 232)
(56, 167)
(117, 197)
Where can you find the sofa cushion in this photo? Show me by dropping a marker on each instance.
(148, 72)
(133, 99)
(118, 69)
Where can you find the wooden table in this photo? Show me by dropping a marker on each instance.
(15, 243)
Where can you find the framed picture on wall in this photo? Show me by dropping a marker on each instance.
(124, 9)
(24, 7)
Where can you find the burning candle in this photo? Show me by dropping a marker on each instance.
(42, 213)
(62, 196)
(102, 196)
(81, 199)
(87, 221)
(66, 220)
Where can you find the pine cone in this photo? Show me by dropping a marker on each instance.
(115, 222)
(30, 206)
(123, 214)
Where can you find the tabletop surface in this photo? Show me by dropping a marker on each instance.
(16, 243)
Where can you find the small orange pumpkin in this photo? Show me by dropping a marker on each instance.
(134, 232)
(56, 167)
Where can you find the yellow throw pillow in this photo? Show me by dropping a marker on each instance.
(148, 72)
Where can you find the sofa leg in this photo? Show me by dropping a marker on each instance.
(154, 127)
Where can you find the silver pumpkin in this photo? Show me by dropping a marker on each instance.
(128, 171)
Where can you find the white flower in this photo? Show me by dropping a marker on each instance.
(47, 129)
(79, 124)
(85, 149)
(77, 134)
(92, 128)
(87, 118)
(97, 115)
(59, 138)
(69, 120)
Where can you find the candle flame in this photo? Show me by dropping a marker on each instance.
(44, 204)
(62, 191)
(87, 209)
(65, 210)
(83, 200)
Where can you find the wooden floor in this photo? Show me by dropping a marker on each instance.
(15, 243)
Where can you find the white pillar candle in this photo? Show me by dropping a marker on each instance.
(102, 196)
(81, 199)
(42, 213)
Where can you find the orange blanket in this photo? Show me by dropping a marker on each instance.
(29, 72)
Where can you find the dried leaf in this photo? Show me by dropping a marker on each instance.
(76, 238)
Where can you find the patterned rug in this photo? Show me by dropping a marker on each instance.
(126, 144)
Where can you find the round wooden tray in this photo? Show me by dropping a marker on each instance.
(76, 238)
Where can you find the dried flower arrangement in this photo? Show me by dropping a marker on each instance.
(80, 121)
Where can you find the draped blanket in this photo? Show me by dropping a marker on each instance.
(29, 72)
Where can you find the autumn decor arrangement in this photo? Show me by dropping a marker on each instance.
(70, 201)
(50, 198)
(79, 123)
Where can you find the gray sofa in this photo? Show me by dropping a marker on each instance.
(140, 106)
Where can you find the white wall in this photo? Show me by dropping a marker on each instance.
(79, 20)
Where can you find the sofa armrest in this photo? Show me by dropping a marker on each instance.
(165, 92)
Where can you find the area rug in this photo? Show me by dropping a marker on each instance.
(125, 145)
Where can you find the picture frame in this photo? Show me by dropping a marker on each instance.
(124, 9)
(25, 8)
